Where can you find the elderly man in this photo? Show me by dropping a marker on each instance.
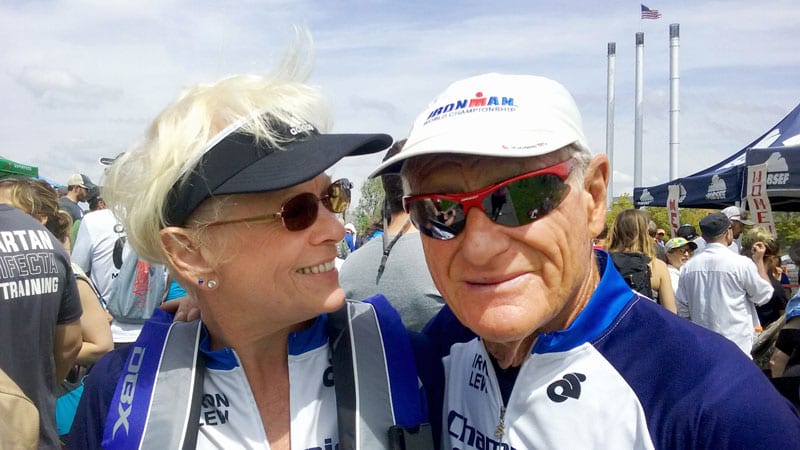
(567, 355)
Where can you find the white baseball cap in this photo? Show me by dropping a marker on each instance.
(737, 214)
(494, 114)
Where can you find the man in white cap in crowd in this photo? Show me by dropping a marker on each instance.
(78, 187)
(560, 335)
(351, 237)
(738, 218)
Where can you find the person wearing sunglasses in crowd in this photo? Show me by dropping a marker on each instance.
(566, 354)
(678, 252)
(229, 190)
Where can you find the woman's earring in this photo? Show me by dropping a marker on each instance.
(210, 283)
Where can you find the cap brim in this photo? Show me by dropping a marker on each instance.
(238, 165)
(745, 222)
(301, 161)
(532, 143)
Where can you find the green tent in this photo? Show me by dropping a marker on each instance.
(10, 168)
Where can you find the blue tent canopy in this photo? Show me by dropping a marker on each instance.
(724, 183)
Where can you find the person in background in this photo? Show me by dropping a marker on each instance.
(678, 252)
(788, 341)
(739, 222)
(630, 241)
(719, 290)
(566, 354)
(661, 236)
(351, 237)
(393, 264)
(99, 250)
(19, 418)
(229, 190)
(658, 245)
(772, 310)
(40, 309)
(689, 232)
(78, 187)
(39, 199)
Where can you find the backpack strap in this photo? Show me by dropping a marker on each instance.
(161, 384)
(377, 390)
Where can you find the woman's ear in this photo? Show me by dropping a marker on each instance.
(184, 254)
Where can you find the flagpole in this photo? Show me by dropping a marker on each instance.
(637, 135)
(612, 56)
(674, 97)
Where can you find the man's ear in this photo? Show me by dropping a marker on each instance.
(595, 183)
(184, 254)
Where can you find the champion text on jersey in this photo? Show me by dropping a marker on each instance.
(459, 428)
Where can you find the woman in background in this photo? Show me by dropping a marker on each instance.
(630, 240)
(773, 309)
(678, 252)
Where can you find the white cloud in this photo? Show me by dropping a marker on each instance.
(82, 79)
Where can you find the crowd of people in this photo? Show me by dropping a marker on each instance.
(487, 312)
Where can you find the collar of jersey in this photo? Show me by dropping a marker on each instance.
(605, 305)
(300, 342)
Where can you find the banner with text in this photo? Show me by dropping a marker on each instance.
(757, 199)
(673, 197)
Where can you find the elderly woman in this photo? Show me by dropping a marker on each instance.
(229, 190)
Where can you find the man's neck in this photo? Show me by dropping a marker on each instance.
(398, 223)
(72, 195)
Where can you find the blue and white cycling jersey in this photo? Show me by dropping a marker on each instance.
(229, 416)
(626, 374)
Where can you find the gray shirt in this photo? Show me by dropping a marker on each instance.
(405, 282)
(37, 292)
(71, 207)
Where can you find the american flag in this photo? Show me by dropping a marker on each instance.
(648, 13)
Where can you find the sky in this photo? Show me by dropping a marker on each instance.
(83, 79)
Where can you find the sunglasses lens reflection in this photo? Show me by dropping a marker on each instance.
(300, 211)
(517, 203)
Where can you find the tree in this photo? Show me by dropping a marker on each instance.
(369, 206)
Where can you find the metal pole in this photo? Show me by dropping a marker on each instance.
(674, 105)
(612, 57)
(637, 134)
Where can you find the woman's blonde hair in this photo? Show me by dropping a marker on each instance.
(38, 199)
(759, 234)
(629, 233)
(137, 184)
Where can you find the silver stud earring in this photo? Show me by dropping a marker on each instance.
(211, 284)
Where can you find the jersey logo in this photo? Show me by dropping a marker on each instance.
(569, 387)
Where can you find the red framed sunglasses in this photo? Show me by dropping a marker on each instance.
(517, 201)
